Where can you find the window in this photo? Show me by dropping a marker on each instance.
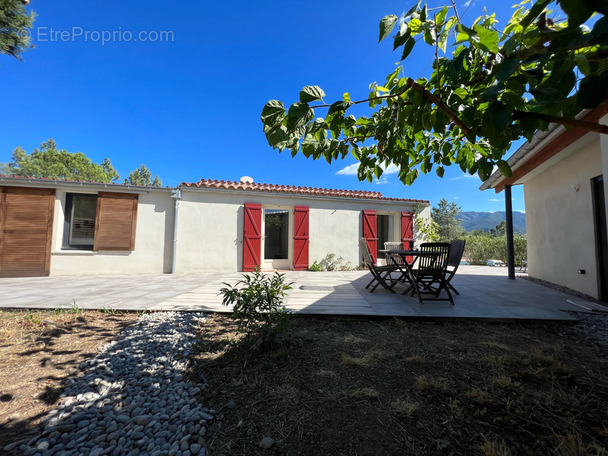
(80, 213)
(105, 221)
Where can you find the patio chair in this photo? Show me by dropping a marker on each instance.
(381, 275)
(456, 251)
(393, 246)
(429, 279)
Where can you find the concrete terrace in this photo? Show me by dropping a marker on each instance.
(485, 293)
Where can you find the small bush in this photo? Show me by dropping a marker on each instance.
(315, 267)
(333, 263)
(258, 300)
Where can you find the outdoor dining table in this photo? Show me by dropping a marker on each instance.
(404, 266)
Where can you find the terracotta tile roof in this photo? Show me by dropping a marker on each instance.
(274, 188)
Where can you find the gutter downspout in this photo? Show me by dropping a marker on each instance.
(176, 194)
(509, 221)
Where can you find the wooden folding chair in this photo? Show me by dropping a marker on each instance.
(429, 279)
(456, 251)
(381, 275)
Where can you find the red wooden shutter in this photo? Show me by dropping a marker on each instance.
(407, 233)
(370, 233)
(116, 221)
(252, 236)
(300, 238)
(407, 230)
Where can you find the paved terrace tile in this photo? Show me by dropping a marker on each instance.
(485, 293)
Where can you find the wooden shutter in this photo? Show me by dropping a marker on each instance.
(300, 238)
(370, 233)
(407, 233)
(407, 230)
(252, 236)
(116, 221)
(26, 230)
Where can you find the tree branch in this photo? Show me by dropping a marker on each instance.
(381, 97)
(441, 105)
(598, 128)
(410, 83)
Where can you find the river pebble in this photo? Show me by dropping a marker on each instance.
(132, 398)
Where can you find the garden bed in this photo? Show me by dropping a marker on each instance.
(344, 386)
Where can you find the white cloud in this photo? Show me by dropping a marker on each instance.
(468, 3)
(350, 170)
(463, 176)
(392, 169)
(382, 180)
(455, 197)
(496, 200)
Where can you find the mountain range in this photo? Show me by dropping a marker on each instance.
(487, 220)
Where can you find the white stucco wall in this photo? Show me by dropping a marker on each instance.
(153, 238)
(560, 220)
(210, 226)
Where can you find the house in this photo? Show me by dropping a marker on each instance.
(61, 227)
(562, 171)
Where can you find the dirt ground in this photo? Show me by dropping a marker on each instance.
(338, 386)
(347, 386)
(39, 351)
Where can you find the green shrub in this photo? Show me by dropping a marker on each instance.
(333, 263)
(316, 267)
(258, 300)
(482, 247)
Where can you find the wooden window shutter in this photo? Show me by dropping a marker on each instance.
(252, 236)
(300, 238)
(26, 229)
(407, 230)
(115, 221)
(370, 233)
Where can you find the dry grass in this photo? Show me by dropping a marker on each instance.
(493, 448)
(352, 339)
(478, 396)
(404, 409)
(427, 389)
(39, 351)
(370, 359)
(364, 393)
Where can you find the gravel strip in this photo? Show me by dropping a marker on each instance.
(592, 328)
(133, 399)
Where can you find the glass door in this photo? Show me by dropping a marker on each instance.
(276, 239)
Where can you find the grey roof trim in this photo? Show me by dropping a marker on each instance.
(52, 183)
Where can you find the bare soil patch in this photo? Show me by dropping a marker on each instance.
(344, 386)
(39, 351)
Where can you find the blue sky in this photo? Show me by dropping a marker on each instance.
(187, 104)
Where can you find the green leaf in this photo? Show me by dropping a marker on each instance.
(507, 68)
(439, 171)
(407, 47)
(504, 168)
(311, 93)
(597, 5)
(273, 111)
(402, 36)
(534, 12)
(440, 16)
(386, 26)
(339, 106)
(593, 90)
(299, 114)
(488, 39)
(577, 12)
